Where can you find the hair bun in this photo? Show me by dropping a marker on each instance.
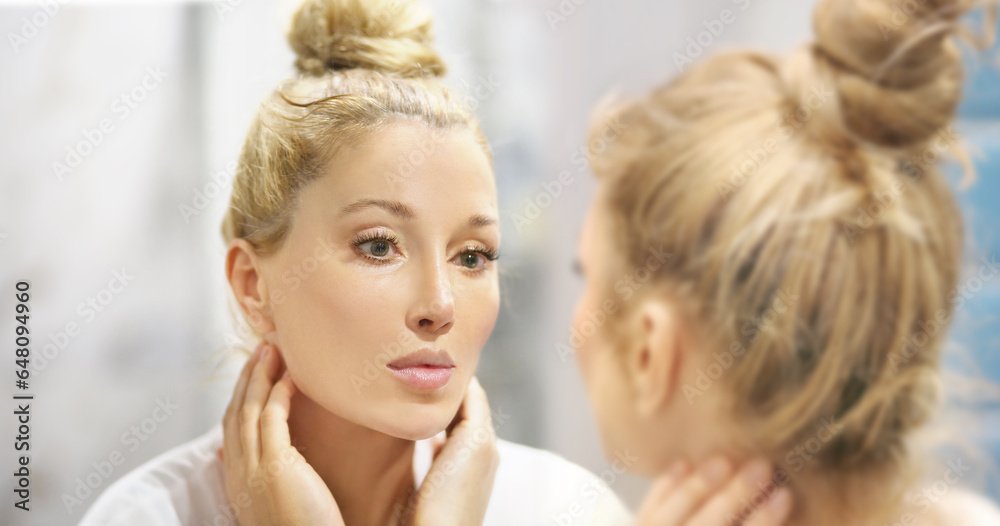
(387, 36)
(897, 72)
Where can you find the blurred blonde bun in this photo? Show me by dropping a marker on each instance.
(897, 71)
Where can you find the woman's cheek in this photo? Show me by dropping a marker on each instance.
(484, 309)
(582, 336)
(323, 325)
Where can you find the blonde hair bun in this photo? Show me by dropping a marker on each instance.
(388, 36)
(897, 71)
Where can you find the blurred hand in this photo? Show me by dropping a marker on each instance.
(713, 495)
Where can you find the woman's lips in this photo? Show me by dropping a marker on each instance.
(424, 377)
(424, 369)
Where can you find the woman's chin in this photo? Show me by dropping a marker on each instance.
(418, 423)
(419, 434)
(414, 432)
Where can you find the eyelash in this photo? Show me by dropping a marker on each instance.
(489, 253)
(368, 237)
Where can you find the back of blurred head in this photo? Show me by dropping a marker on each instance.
(814, 246)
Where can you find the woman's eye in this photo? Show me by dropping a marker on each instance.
(378, 248)
(471, 260)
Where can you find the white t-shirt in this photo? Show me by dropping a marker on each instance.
(185, 486)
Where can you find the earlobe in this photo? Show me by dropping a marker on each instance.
(248, 286)
(656, 357)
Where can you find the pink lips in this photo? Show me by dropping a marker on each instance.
(424, 369)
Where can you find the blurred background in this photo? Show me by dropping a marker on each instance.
(119, 126)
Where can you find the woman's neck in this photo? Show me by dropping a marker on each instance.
(822, 495)
(870, 499)
(369, 473)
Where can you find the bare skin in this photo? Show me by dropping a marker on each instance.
(273, 484)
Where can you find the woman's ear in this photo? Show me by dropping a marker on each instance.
(250, 288)
(656, 356)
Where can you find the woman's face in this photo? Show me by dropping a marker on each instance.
(600, 361)
(614, 367)
(385, 289)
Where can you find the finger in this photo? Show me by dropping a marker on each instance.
(775, 511)
(230, 422)
(274, 431)
(665, 484)
(739, 498)
(460, 415)
(693, 491)
(662, 487)
(475, 409)
(258, 389)
(437, 444)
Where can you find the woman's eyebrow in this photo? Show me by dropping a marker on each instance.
(480, 221)
(396, 208)
(404, 211)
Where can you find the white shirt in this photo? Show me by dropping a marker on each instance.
(185, 486)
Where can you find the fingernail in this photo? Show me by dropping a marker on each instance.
(779, 502)
(756, 471)
(715, 471)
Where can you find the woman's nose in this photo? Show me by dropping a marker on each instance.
(433, 311)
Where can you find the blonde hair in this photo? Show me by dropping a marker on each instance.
(362, 64)
(812, 236)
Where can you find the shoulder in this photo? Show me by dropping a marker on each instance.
(966, 508)
(535, 486)
(182, 486)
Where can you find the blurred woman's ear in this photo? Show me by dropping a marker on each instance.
(247, 284)
(655, 356)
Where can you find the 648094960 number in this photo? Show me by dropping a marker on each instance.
(22, 334)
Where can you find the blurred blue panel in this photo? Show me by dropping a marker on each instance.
(976, 329)
(980, 201)
(982, 88)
